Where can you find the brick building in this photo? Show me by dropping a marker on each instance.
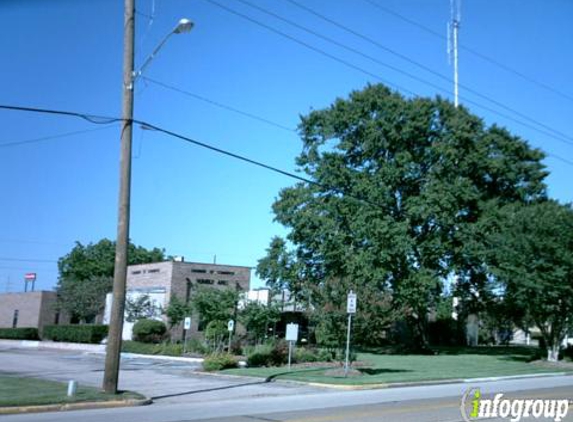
(30, 309)
(161, 280)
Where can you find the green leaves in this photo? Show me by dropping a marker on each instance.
(407, 187)
(86, 275)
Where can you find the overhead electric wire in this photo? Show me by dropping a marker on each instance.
(194, 142)
(264, 120)
(51, 137)
(218, 104)
(566, 138)
(27, 260)
(421, 66)
(474, 52)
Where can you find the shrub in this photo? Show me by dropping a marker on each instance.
(89, 333)
(215, 333)
(269, 355)
(219, 361)
(194, 345)
(259, 358)
(149, 331)
(28, 333)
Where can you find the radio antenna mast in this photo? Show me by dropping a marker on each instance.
(453, 30)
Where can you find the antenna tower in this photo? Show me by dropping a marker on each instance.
(453, 31)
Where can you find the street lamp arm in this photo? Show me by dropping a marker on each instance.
(184, 25)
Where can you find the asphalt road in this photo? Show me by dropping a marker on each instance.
(182, 395)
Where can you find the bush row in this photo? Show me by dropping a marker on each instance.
(29, 333)
(90, 333)
(277, 355)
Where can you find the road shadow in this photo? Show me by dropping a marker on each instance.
(378, 371)
(207, 390)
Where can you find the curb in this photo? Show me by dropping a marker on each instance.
(350, 387)
(74, 406)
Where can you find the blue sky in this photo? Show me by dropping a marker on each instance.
(67, 54)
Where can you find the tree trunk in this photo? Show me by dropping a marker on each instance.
(553, 353)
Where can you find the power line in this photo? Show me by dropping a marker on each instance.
(472, 51)
(189, 140)
(51, 137)
(26, 260)
(371, 74)
(397, 54)
(220, 105)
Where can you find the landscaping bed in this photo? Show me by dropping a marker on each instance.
(384, 369)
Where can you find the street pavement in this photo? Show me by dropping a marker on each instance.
(182, 395)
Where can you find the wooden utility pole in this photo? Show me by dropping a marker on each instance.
(112, 358)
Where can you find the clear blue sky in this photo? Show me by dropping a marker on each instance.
(67, 54)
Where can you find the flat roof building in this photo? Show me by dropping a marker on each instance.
(30, 309)
(161, 280)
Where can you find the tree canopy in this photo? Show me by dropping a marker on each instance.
(401, 192)
(533, 263)
(86, 275)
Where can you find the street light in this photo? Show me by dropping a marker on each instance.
(184, 25)
(113, 349)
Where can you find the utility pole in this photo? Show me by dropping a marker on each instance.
(113, 350)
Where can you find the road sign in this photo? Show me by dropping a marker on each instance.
(291, 332)
(230, 325)
(30, 276)
(187, 323)
(351, 303)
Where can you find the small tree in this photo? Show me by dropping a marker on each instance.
(214, 304)
(533, 260)
(215, 334)
(176, 311)
(257, 318)
(140, 307)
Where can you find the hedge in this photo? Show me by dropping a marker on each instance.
(27, 333)
(89, 333)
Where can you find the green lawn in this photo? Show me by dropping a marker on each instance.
(18, 391)
(382, 369)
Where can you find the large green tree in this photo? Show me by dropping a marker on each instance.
(400, 188)
(533, 263)
(86, 275)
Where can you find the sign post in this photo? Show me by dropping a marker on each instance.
(350, 310)
(291, 336)
(230, 327)
(186, 327)
(29, 278)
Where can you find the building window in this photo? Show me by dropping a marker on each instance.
(136, 272)
(205, 281)
(222, 282)
(15, 319)
(196, 270)
(57, 318)
(155, 270)
(226, 272)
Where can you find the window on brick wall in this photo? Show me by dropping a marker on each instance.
(197, 270)
(15, 318)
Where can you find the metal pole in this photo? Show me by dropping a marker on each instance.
(456, 25)
(347, 345)
(289, 353)
(112, 358)
(230, 337)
